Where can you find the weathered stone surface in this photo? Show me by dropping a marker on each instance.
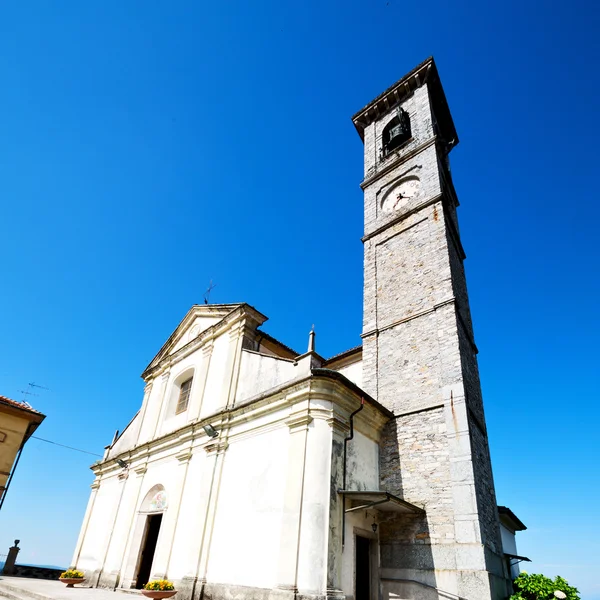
(419, 360)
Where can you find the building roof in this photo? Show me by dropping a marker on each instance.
(344, 354)
(266, 336)
(23, 410)
(509, 518)
(426, 72)
(20, 405)
(219, 311)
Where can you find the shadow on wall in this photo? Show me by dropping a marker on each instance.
(406, 560)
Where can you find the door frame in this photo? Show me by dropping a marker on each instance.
(138, 563)
(373, 560)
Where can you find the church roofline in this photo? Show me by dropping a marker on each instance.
(222, 310)
(424, 73)
(173, 438)
(344, 354)
(266, 336)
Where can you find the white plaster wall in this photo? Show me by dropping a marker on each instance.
(312, 567)
(362, 463)
(356, 522)
(259, 373)
(122, 523)
(188, 367)
(198, 326)
(99, 527)
(509, 543)
(353, 372)
(128, 438)
(151, 409)
(192, 515)
(168, 473)
(509, 546)
(216, 379)
(245, 540)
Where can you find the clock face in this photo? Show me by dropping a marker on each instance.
(401, 194)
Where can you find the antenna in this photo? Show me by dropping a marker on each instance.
(210, 288)
(35, 385)
(29, 392)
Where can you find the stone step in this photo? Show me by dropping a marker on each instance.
(15, 592)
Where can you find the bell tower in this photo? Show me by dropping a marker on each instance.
(419, 353)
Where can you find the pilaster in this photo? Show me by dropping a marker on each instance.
(195, 409)
(215, 452)
(86, 521)
(298, 423)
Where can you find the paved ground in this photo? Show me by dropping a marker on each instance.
(21, 588)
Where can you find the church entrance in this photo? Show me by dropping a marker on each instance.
(147, 552)
(362, 584)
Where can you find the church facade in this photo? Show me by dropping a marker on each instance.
(253, 471)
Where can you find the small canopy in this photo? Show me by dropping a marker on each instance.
(517, 557)
(381, 500)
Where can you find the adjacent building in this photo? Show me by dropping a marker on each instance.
(18, 421)
(256, 471)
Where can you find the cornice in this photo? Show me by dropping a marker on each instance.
(243, 312)
(299, 422)
(390, 165)
(424, 74)
(184, 456)
(321, 385)
(402, 217)
(216, 447)
(422, 313)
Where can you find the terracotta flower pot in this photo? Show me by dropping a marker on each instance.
(159, 594)
(70, 581)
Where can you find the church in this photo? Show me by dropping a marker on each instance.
(254, 471)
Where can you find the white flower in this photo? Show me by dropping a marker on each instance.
(559, 594)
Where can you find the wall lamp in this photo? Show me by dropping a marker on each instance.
(210, 431)
(122, 463)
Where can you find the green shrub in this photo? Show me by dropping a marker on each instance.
(540, 587)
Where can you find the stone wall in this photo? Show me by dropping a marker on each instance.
(419, 360)
(33, 572)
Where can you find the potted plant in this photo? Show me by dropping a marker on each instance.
(71, 577)
(159, 589)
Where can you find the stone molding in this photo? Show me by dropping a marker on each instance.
(307, 389)
(184, 456)
(216, 447)
(402, 217)
(390, 166)
(163, 360)
(299, 422)
(422, 313)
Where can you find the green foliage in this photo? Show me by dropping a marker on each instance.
(72, 574)
(160, 585)
(540, 587)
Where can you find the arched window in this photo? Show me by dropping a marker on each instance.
(396, 133)
(184, 395)
(180, 393)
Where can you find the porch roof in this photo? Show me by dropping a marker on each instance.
(379, 499)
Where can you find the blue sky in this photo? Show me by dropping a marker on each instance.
(147, 148)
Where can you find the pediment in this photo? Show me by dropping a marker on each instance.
(198, 319)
